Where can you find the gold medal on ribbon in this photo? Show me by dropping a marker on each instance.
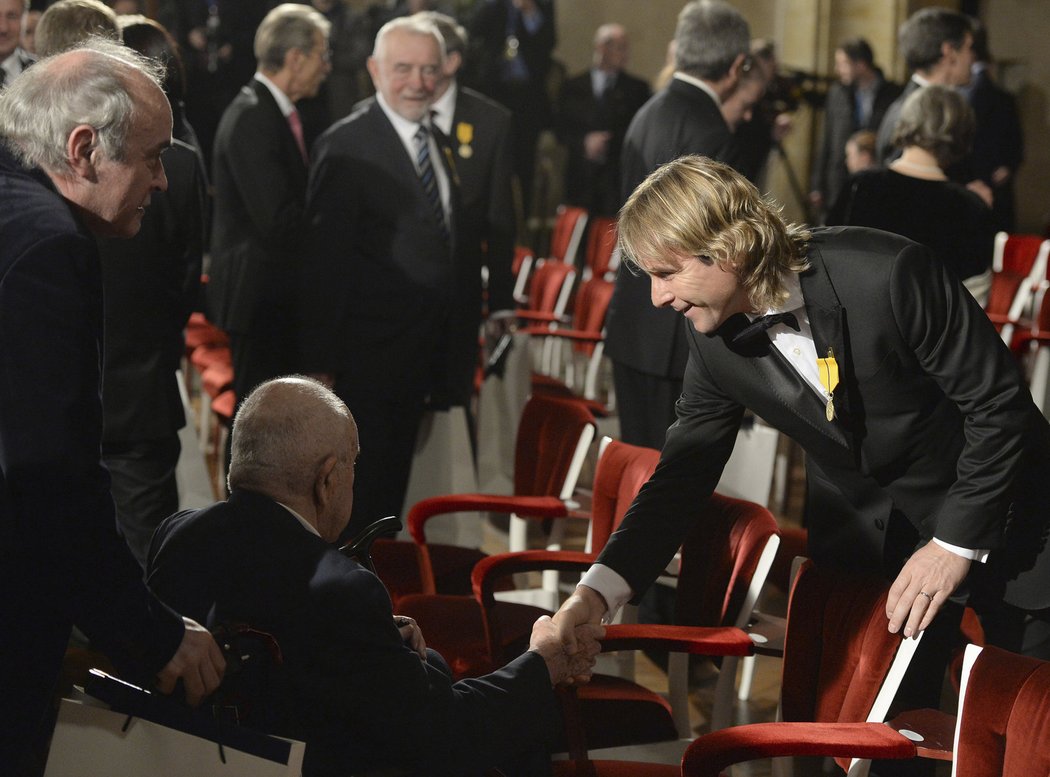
(828, 370)
(465, 136)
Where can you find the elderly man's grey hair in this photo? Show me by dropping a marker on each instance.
(41, 108)
(283, 432)
(288, 26)
(416, 24)
(710, 36)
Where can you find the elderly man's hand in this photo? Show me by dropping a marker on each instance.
(563, 667)
(411, 634)
(198, 662)
(928, 578)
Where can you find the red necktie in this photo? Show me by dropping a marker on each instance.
(296, 125)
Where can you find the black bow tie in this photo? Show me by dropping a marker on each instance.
(758, 327)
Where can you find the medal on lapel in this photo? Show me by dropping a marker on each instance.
(829, 378)
(465, 136)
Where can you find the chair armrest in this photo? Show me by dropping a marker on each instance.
(710, 754)
(489, 570)
(524, 506)
(360, 547)
(582, 335)
(767, 632)
(537, 315)
(697, 640)
(935, 732)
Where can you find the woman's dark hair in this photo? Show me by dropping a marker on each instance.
(151, 39)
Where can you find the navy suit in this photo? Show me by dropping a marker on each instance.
(348, 686)
(936, 433)
(61, 560)
(260, 190)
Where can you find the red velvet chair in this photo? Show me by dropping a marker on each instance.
(600, 258)
(725, 552)
(553, 439)
(1019, 267)
(570, 225)
(841, 666)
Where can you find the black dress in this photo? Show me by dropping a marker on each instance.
(942, 215)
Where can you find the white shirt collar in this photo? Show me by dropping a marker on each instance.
(306, 524)
(445, 108)
(699, 83)
(287, 106)
(405, 129)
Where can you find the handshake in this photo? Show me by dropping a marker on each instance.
(569, 641)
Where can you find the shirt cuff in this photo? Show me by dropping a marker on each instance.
(613, 588)
(980, 555)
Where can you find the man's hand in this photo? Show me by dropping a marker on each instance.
(928, 578)
(596, 145)
(411, 634)
(584, 608)
(198, 662)
(563, 667)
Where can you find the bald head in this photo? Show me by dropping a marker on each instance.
(611, 48)
(296, 442)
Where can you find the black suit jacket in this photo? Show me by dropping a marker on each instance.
(383, 293)
(829, 164)
(682, 119)
(484, 166)
(489, 28)
(61, 560)
(151, 283)
(596, 185)
(349, 687)
(936, 433)
(998, 142)
(260, 188)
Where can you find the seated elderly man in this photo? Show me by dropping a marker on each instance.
(363, 694)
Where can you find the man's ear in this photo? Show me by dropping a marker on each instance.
(323, 481)
(453, 61)
(82, 151)
(373, 69)
(735, 68)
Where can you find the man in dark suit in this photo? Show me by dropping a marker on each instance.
(386, 290)
(61, 560)
(259, 169)
(937, 46)
(510, 60)
(479, 132)
(594, 110)
(645, 344)
(357, 683)
(858, 101)
(926, 458)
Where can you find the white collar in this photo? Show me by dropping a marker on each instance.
(699, 83)
(443, 110)
(306, 524)
(287, 106)
(405, 129)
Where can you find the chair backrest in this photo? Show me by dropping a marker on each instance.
(621, 472)
(841, 663)
(552, 441)
(720, 556)
(550, 287)
(1004, 715)
(570, 222)
(589, 311)
(601, 243)
(1015, 253)
(1020, 264)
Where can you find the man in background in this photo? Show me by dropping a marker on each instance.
(594, 111)
(857, 101)
(81, 135)
(937, 46)
(646, 344)
(259, 169)
(13, 58)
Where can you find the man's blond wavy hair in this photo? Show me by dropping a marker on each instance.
(698, 207)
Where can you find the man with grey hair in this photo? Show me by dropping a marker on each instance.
(81, 136)
(357, 683)
(647, 345)
(259, 169)
(391, 292)
(13, 58)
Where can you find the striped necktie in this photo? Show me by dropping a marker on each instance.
(428, 178)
